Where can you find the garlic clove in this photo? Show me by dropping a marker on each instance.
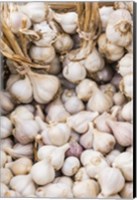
(103, 142)
(6, 175)
(6, 103)
(27, 186)
(79, 122)
(86, 189)
(20, 166)
(44, 87)
(123, 132)
(42, 172)
(124, 162)
(74, 105)
(6, 127)
(70, 166)
(42, 55)
(127, 191)
(111, 181)
(86, 140)
(74, 72)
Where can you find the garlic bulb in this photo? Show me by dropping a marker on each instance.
(25, 130)
(118, 30)
(111, 156)
(86, 189)
(54, 155)
(17, 21)
(3, 189)
(55, 190)
(70, 166)
(124, 162)
(79, 122)
(64, 179)
(3, 158)
(20, 166)
(81, 175)
(127, 111)
(111, 181)
(6, 127)
(94, 62)
(56, 112)
(74, 72)
(42, 172)
(68, 21)
(86, 140)
(63, 43)
(67, 94)
(101, 122)
(100, 102)
(26, 188)
(58, 134)
(126, 85)
(6, 103)
(119, 98)
(123, 132)
(44, 86)
(6, 175)
(6, 142)
(42, 54)
(105, 12)
(111, 51)
(48, 35)
(74, 150)
(125, 65)
(85, 89)
(127, 191)
(102, 141)
(74, 105)
(20, 150)
(36, 11)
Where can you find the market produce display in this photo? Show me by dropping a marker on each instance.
(66, 100)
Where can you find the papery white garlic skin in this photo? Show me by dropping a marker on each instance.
(119, 98)
(74, 72)
(21, 112)
(34, 10)
(6, 104)
(5, 128)
(118, 30)
(42, 172)
(42, 54)
(81, 175)
(12, 193)
(79, 122)
(103, 142)
(105, 12)
(3, 158)
(44, 87)
(6, 175)
(48, 35)
(112, 196)
(126, 85)
(70, 166)
(74, 150)
(67, 94)
(127, 191)
(68, 21)
(59, 134)
(127, 111)
(17, 21)
(124, 162)
(27, 186)
(64, 179)
(94, 62)
(20, 166)
(111, 181)
(63, 43)
(85, 189)
(85, 89)
(6, 142)
(74, 105)
(86, 140)
(3, 189)
(111, 156)
(125, 65)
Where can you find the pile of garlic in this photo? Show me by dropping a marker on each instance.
(67, 125)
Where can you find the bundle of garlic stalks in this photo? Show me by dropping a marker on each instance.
(66, 100)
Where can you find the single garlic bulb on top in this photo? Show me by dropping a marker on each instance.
(119, 27)
(5, 128)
